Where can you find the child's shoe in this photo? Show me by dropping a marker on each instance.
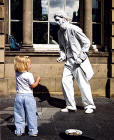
(35, 135)
(18, 135)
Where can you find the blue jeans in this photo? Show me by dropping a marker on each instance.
(25, 110)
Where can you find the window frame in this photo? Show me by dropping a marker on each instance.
(48, 46)
(56, 46)
(12, 20)
(100, 46)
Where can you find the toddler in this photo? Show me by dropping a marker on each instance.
(25, 104)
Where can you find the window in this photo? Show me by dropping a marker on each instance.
(107, 29)
(97, 18)
(16, 19)
(44, 27)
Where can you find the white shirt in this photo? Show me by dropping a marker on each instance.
(23, 82)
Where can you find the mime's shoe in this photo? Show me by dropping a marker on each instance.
(89, 111)
(67, 110)
(64, 110)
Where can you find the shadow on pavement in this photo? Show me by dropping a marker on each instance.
(96, 126)
(65, 137)
(43, 94)
(6, 118)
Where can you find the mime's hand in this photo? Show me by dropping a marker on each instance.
(59, 59)
(78, 61)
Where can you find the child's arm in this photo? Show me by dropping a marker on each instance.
(36, 83)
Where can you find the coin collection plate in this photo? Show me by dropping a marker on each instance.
(73, 132)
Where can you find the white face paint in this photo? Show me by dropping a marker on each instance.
(61, 22)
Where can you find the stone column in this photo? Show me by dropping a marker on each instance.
(2, 40)
(81, 5)
(27, 22)
(3, 83)
(112, 52)
(88, 18)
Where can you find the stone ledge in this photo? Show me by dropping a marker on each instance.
(1, 70)
(2, 27)
(2, 59)
(30, 51)
(112, 15)
(2, 11)
(2, 41)
(1, 1)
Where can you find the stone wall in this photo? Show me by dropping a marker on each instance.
(51, 73)
(49, 70)
(3, 85)
(112, 50)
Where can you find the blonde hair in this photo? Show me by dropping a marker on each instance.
(21, 63)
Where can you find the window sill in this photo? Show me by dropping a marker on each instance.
(46, 47)
(46, 50)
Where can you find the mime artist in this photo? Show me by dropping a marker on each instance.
(74, 47)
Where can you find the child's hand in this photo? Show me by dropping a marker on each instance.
(36, 82)
(38, 79)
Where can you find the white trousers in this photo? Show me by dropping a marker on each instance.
(83, 84)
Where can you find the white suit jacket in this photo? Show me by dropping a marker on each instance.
(79, 45)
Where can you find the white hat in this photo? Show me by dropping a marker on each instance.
(61, 14)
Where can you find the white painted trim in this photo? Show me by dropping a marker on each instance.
(46, 47)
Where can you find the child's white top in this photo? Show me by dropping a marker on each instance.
(23, 82)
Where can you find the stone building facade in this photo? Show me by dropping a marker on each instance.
(100, 31)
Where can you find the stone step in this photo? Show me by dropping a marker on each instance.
(30, 51)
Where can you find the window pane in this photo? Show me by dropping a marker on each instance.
(54, 6)
(40, 33)
(40, 10)
(53, 39)
(107, 29)
(16, 9)
(96, 11)
(16, 30)
(73, 7)
(44, 10)
(97, 34)
(77, 24)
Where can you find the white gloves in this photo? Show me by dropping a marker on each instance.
(78, 61)
(60, 59)
(83, 55)
(81, 58)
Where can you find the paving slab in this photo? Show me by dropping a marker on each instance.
(53, 123)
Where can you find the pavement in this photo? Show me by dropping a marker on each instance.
(52, 123)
